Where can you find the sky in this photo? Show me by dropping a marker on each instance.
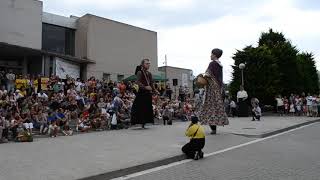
(189, 29)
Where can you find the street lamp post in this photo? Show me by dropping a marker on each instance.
(242, 66)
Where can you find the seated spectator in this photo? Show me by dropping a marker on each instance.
(16, 125)
(24, 136)
(35, 121)
(42, 96)
(83, 124)
(27, 122)
(18, 95)
(53, 129)
(5, 124)
(43, 121)
(73, 110)
(63, 123)
(123, 119)
(117, 103)
(54, 103)
(96, 122)
(2, 128)
(66, 130)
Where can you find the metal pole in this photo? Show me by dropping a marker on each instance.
(242, 78)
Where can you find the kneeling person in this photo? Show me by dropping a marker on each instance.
(196, 133)
(256, 113)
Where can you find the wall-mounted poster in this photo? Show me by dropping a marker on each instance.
(64, 68)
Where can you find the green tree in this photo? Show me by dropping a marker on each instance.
(274, 67)
(261, 73)
(308, 76)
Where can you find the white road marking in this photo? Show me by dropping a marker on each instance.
(148, 171)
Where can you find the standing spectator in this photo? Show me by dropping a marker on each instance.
(280, 105)
(299, 107)
(287, 105)
(182, 94)
(292, 109)
(227, 105)
(314, 106)
(11, 77)
(309, 105)
(233, 107)
(242, 97)
(169, 92)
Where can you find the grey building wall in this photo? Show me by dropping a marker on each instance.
(81, 48)
(20, 22)
(177, 73)
(116, 48)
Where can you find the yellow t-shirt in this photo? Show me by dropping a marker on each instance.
(136, 87)
(44, 83)
(21, 83)
(196, 131)
(24, 93)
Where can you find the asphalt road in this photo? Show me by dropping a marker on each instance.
(291, 156)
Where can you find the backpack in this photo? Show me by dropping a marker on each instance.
(24, 136)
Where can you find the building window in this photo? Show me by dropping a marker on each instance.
(175, 82)
(106, 76)
(120, 77)
(58, 39)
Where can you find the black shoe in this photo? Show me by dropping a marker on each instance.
(196, 156)
(213, 132)
(253, 120)
(200, 154)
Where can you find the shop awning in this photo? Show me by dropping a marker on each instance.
(15, 50)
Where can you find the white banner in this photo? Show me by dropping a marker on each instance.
(64, 68)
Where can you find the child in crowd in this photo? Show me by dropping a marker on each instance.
(167, 116)
(292, 109)
(299, 107)
(256, 112)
